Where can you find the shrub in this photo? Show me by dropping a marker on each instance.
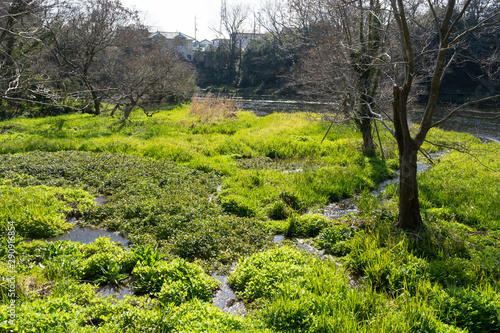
(238, 206)
(277, 210)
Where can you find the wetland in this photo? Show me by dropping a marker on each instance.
(223, 226)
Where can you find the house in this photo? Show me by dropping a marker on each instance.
(219, 42)
(244, 38)
(181, 42)
(203, 45)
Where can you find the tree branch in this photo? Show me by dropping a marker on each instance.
(454, 111)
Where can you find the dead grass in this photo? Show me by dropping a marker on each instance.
(210, 108)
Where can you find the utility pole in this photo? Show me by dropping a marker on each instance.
(195, 28)
(223, 13)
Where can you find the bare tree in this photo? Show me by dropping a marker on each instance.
(274, 16)
(233, 25)
(342, 58)
(22, 49)
(415, 43)
(147, 72)
(446, 20)
(82, 32)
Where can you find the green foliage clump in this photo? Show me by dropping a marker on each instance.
(174, 282)
(391, 267)
(41, 211)
(221, 239)
(277, 210)
(335, 239)
(307, 225)
(473, 309)
(198, 316)
(261, 275)
(102, 261)
(238, 206)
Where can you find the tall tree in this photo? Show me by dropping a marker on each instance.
(234, 23)
(445, 19)
(82, 32)
(344, 45)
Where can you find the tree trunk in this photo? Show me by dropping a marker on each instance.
(365, 126)
(127, 109)
(97, 102)
(409, 208)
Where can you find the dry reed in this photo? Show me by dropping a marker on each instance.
(210, 108)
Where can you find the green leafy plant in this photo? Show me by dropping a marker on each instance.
(111, 273)
(334, 239)
(307, 225)
(174, 282)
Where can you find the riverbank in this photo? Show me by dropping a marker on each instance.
(195, 198)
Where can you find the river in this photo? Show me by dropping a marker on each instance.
(482, 128)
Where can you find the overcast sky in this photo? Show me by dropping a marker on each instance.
(179, 15)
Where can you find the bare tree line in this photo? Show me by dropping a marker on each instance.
(80, 54)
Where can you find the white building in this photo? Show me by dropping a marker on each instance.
(181, 42)
(244, 38)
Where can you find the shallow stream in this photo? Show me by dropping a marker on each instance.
(85, 236)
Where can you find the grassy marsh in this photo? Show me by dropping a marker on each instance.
(196, 197)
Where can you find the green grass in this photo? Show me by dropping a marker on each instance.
(196, 197)
(41, 211)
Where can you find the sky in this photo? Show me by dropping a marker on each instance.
(179, 15)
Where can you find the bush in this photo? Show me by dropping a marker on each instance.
(41, 211)
(238, 206)
(277, 210)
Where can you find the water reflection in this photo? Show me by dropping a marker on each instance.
(263, 105)
(226, 299)
(118, 292)
(86, 236)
